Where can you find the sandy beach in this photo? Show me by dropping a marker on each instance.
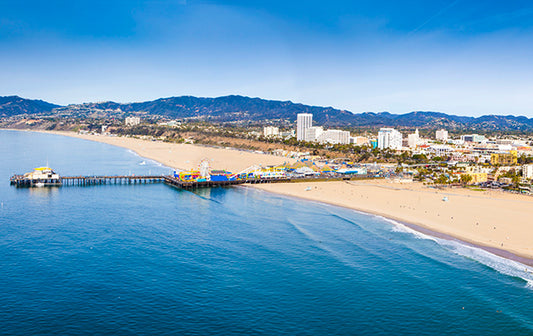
(485, 218)
(490, 219)
(187, 156)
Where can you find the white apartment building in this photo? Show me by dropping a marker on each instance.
(132, 121)
(389, 138)
(527, 171)
(413, 139)
(312, 133)
(441, 135)
(270, 131)
(334, 137)
(440, 150)
(303, 122)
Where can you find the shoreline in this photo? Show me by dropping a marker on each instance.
(418, 228)
(389, 200)
(448, 233)
(183, 156)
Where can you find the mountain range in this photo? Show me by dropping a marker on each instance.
(14, 105)
(239, 108)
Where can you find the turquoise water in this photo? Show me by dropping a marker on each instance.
(151, 259)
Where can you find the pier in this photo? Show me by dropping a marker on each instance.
(21, 181)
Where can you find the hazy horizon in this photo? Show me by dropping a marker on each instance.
(455, 57)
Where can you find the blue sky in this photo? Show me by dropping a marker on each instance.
(458, 57)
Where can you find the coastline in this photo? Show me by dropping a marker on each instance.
(528, 261)
(493, 221)
(418, 228)
(422, 209)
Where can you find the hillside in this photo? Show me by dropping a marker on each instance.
(243, 109)
(231, 108)
(15, 105)
(239, 108)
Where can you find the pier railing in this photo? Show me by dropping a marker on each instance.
(119, 179)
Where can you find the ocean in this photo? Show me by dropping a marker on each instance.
(155, 260)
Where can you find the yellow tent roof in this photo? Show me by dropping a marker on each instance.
(43, 168)
(298, 164)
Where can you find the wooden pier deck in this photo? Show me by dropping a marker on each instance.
(118, 179)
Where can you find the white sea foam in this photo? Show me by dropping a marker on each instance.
(399, 227)
(500, 264)
(149, 161)
(156, 163)
(503, 265)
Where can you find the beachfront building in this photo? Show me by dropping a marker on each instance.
(479, 174)
(334, 137)
(270, 131)
(477, 177)
(504, 159)
(303, 122)
(132, 121)
(442, 135)
(413, 139)
(527, 171)
(312, 133)
(389, 138)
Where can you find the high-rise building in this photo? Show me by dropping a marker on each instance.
(303, 122)
(442, 135)
(413, 139)
(389, 138)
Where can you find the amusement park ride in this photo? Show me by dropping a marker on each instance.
(205, 173)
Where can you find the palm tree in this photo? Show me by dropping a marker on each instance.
(466, 178)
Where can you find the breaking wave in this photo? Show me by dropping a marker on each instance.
(500, 264)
